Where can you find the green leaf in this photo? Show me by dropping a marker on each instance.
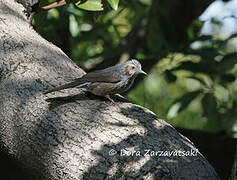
(210, 111)
(209, 105)
(202, 38)
(90, 5)
(207, 67)
(173, 111)
(199, 80)
(228, 77)
(185, 100)
(113, 4)
(73, 26)
(207, 53)
(227, 62)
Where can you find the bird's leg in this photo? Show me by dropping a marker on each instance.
(119, 95)
(108, 97)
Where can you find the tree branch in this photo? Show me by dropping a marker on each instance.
(71, 135)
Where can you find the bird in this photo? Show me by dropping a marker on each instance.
(106, 82)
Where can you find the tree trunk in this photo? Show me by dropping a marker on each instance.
(233, 175)
(68, 135)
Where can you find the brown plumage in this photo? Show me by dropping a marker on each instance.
(112, 80)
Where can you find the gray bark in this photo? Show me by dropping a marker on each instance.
(70, 135)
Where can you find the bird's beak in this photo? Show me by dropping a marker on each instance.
(143, 72)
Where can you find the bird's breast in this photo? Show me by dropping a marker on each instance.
(128, 83)
(102, 89)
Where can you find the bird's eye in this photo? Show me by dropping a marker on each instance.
(133, 67)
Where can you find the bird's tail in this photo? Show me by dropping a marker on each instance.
(76, 82)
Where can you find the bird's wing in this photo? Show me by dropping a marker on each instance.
(109, 76)
(72, 84)
(106, 75)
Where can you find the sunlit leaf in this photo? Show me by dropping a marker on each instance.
(232, 36)
(199, 80)
(53, 13)
(73, 10)
(90, 5)
(73, 26)
(185, 100)
(173, 110)
(113, 4)
(202, 38)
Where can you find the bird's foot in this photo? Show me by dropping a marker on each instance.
(120, 96)
(109, 98)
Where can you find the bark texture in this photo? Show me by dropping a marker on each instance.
(70, 135)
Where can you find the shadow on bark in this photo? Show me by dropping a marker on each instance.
(145, 153)
(83, 96)
(50, 129)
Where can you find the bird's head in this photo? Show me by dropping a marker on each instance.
(133, 67)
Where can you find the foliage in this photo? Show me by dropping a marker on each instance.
(192, 85)
(95, 5)
(202, 86)
(91, 5)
